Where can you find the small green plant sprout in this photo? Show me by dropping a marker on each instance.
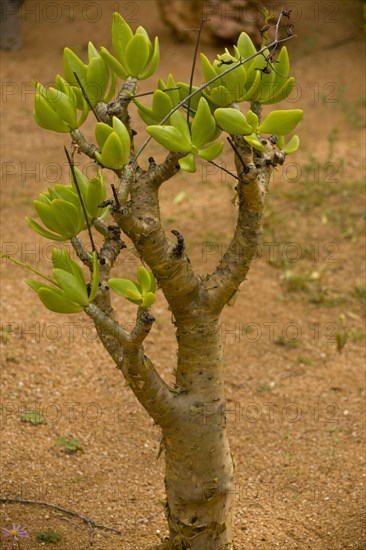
(263, 387)
(191, 125)
(335, 439)
(342, 333)
(70, 445)
(49, 537)
(33, 417)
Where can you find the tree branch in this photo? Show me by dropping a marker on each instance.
(254, 170)
(79, 140)
(81, 252)
(139, 372)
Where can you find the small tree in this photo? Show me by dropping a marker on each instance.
(188, 122)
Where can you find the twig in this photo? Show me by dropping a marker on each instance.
(83, 254)
(238, 154)
(115, 195)
(194, 64)
(72, 168)
(223, 169)
(80, 143)
(83, 91)
(89, 521)
(150, 93)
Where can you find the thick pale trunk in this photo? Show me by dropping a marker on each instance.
(199, 485)
(199, 467)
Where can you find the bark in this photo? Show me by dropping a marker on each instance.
(199, 467)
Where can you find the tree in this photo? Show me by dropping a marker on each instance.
(188, 122)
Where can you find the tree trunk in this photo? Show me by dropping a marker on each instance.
(10, 38)
(199, 467)
(224, 19)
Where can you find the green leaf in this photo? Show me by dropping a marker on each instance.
(33, 417)
(220, 96)
(254, 142)
(73, 64)
(71, 286)
(208, 71)
(203, 125)
(149, 300)
(245, 46)
(280, 142)
(47, 215)
(56, 301)
(184, 92)
(68, 194)
(253, 87)
(179, 122)
(233, 81)
(41, 231)
(142, 31)
(113, 154)
(102, 133)
(170, 138)
(154, 62)
(35, 285)
(61, 260)
(232, 121)
(143, 277)
(252, 119)
(172, 94)
(112, 62)
(211, 152)
(188, 163)
(152, 282)
(70, 217)
(47, 118)
(146, 114)
(123, 135)
(137, 55)
(125, 288)
(121, 35)
(292, 146)
(282, 66)
(97, 78)
(96, 194)
(64, 106)
(281, 122)
(161, 105)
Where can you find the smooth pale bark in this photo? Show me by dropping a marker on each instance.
(199, 476)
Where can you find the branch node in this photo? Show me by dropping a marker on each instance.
(180, 246)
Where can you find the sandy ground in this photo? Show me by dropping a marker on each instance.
(296, 405)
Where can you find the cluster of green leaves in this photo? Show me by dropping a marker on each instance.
(49, 537)
(33, 417)
(70, 445)
(141, 293)
(67, 292)
(60, 208)
(190, 125)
